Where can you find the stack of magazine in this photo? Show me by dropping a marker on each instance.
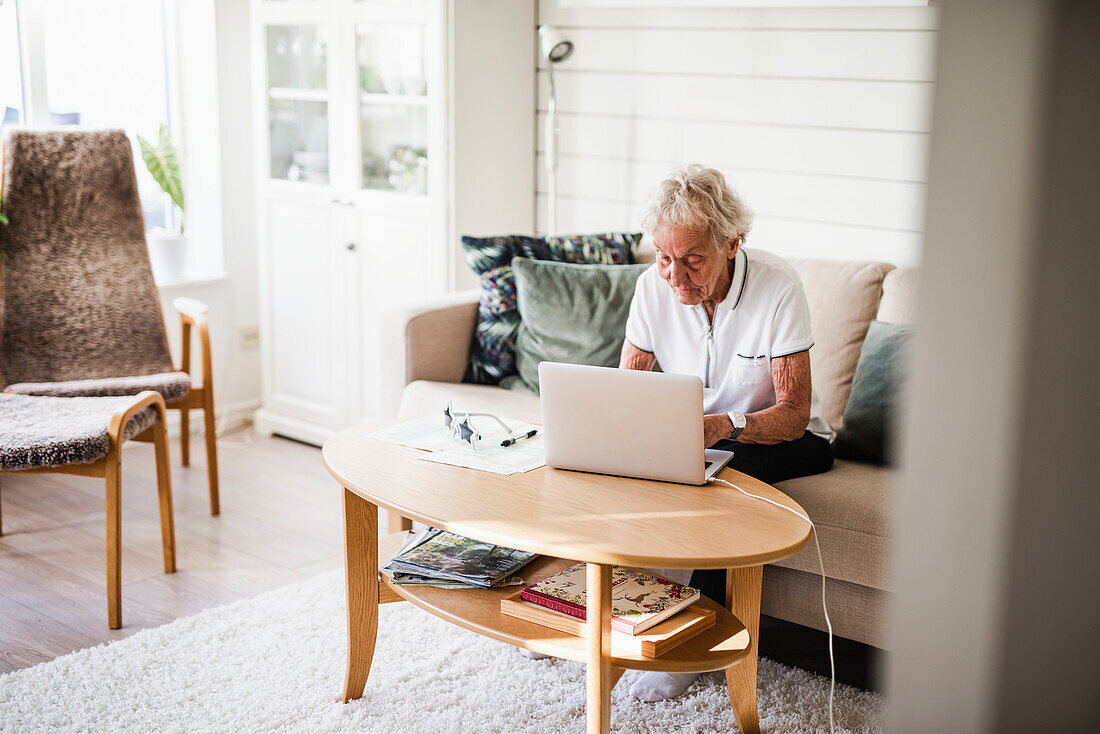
(433, 557)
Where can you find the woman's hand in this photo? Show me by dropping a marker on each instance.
(715, 428)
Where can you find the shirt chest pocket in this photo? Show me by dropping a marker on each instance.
(750, 371)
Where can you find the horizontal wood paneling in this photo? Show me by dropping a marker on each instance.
(788, 237)
(806, 54)
(861, 202)
(854, 105)
(571, 15)
(820, 117)
(896, 156)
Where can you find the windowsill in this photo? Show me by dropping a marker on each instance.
(191, 280)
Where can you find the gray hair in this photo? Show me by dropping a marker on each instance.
(697, 196)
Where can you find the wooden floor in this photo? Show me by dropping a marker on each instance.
(280, 522)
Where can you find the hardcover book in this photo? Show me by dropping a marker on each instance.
(639, 599)
(652, 643)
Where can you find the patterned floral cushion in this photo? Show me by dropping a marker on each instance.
(493, 355)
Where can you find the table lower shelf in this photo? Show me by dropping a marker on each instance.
(478, 610)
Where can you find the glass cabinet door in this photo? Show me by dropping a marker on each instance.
(297, 87)
(393, 106)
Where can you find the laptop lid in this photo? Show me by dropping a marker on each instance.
(625, 422)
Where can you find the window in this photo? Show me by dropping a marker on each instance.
(94, 63)
(11, 80)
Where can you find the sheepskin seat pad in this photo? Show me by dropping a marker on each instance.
(172, 386)
(48, 432)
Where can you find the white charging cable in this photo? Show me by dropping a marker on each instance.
(821, 562)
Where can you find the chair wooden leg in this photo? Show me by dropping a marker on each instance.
(185, 437)
(211, 447)
(164, 494)
(113, 472)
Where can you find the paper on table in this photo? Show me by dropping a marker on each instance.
(421, 433)
(430, 435)
(520, 457)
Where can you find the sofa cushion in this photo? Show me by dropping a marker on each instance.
(425, 398)
(899, 296)
(850, 505)
(857, 612)
(492, 355)
(870, 417)
(843, 298)
(571, 313)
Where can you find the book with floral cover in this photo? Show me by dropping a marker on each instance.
(652, 643)
(639, 599)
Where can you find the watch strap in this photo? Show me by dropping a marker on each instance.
(738, 424)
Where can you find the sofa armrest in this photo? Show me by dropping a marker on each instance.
(428, 341)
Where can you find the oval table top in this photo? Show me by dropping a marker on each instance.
(594, 518)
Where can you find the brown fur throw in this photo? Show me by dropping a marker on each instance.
(79, 301)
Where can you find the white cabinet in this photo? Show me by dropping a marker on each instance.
(356, 137)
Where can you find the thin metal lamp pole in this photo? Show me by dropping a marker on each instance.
(552, 158)
(555, 49)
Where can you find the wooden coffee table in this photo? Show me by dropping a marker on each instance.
(567, 517)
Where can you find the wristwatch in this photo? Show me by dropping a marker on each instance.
(738, 421)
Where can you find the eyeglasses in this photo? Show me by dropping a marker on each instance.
(463, 428)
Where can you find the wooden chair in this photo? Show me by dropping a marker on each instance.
(84, 436)
(81, 313)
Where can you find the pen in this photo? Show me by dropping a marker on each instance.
(513, 439)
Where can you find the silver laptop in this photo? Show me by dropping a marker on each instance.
(626, 422)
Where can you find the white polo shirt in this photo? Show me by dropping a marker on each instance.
(764, 315)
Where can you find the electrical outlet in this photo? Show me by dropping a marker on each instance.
(250, 337)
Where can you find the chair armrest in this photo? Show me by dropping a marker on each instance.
(427, 341)
(117, 426)
(191, 309)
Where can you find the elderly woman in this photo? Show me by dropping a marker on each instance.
(738, 319)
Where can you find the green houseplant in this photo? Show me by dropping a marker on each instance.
(167, 250)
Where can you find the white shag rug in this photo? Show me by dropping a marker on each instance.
(275, 663)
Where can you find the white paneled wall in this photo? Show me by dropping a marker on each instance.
(819, 117)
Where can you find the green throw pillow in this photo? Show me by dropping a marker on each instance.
(870, 418)
(571, 313)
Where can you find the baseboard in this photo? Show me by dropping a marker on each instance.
(227, 417)
(267, 423)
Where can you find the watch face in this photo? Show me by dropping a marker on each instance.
(738, 420)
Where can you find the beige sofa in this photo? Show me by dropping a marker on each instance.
(850, 504)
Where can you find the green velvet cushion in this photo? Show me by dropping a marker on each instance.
(571, 313)
(870, 418)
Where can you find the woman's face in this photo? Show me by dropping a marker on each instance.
(691, 265)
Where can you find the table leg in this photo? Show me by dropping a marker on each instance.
(743, 599)
(598, 632)
(396, 524)
(361, 568)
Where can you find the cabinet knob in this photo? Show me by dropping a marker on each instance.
(350, 247)
(343, 202)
